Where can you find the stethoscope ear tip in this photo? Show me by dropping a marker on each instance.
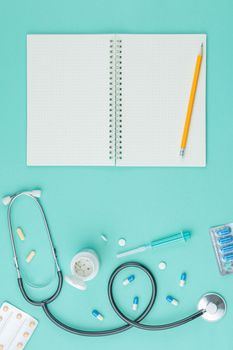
(6, 200)
(36, 193)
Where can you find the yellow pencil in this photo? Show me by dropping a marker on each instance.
(191, 102)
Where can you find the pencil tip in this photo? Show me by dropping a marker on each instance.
(201, 51)
(182, 152)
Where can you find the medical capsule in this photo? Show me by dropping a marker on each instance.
(135, 303)
(228, 257)
(30, 256)
(97, 315)
(20, 233)
(172, 300)
(183, 279)
(225, 240)
(227, 248)
(224, 231)
(128, 280)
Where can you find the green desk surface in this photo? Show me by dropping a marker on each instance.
(137, 203)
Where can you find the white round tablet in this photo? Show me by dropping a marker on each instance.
(162, 265)
(121, 242)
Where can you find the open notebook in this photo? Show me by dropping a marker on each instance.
(114, 100)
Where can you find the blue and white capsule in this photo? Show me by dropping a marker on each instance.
(227, 257)
(128, 280)
(97, 315)
(225, 240)
(183, 279)
(172, 300)
(224, 231)
(135, 303)
(227, 248)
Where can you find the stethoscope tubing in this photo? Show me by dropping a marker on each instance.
(128, 322)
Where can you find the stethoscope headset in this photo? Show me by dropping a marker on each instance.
(211, 306)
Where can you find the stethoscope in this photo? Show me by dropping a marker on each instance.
(211, 306)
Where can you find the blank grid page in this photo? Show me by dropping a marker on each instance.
(157, 75)
(68, 97)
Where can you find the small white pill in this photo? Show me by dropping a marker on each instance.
(162, 265)
(121, 242)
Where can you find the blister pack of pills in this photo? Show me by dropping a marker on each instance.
(16, 327)
(222, 240)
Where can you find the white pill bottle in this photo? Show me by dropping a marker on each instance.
(84, 267)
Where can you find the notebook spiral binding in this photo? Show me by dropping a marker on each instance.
(115, 100)
(111, 104)
(118, 99)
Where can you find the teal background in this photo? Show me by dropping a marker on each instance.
(139, 204)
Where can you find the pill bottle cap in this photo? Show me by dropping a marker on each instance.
(76, 282)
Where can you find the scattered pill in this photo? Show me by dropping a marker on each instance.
(26, 334)
(121, 242)
(19, 316)
(20, 234)
(172, 300)
(104, 237)
(224, 231)
(162, 265)
(97, 315)
(225, 240)
(30, 256)
(135, 303)
(183, 279)
(128, 280)
(5, 308)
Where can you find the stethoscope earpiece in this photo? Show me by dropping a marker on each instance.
(34, 193)
(6, 200)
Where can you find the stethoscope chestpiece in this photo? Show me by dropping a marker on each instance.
(214, 306)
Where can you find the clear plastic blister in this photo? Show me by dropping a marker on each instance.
(222, 240)
(16, 327)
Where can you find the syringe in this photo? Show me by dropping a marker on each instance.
(175, 237)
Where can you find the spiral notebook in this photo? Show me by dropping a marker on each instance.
(114, 100)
